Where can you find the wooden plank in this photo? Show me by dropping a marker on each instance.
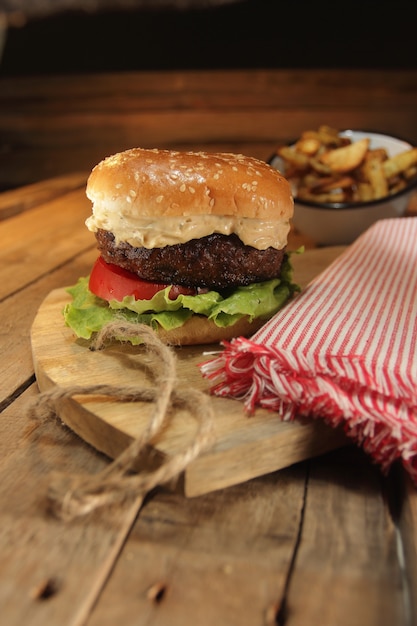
(218, 559)
(29, 273)
(197, 126)
(289, 529)
(24, 198)
(17, 312)
(202, 554)
(43, 559)
(63, 124)
(407, 524)
(64, 143)
(62, 232)
(208, 89)
(347, 519)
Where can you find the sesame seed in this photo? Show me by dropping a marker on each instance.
(211, 203)
(128, 199)
(132, 193)
(159, 199)
(183, 187)
(118, 185)
(191, 189)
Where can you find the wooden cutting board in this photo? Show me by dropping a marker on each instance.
(244, 447)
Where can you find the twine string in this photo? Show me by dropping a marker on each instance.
(70, 497)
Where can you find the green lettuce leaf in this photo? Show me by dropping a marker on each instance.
(86, 314)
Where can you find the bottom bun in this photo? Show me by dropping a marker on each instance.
(199, 330)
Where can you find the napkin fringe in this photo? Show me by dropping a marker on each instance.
(343, 350)
(385, 426)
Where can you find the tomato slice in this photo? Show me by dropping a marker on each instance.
(111, 282)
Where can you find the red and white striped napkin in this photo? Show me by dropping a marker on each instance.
(344, 350)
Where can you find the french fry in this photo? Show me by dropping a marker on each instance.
(330, 183)
(396, 187)
(310, 180)
(410, 173)
(374, 173)
(320, 167)
(324, 198)
(327, 167)
(308, 146)
(346, 158)
(379, 154)
(329, 130)
(363, 193)
(293, 156)
(400, 162)
(326, 135)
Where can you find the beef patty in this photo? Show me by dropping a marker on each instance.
(216, 261)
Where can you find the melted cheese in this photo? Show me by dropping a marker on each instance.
(167, 231)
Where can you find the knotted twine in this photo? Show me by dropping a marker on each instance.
(70, 497)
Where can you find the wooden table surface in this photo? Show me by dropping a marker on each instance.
(328, 541)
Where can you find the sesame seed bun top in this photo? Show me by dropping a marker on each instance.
(165, 183)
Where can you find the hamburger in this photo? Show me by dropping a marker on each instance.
(191, 243)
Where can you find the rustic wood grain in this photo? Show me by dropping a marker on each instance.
(18, 200)
(361, 581)
(192, 553)
(407, 526)
(17, 313)
(55, 229)
(70, 123)
(43, 560)
(184, 557)
(355, 585)
(204, 88)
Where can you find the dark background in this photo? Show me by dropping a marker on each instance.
(247, 34)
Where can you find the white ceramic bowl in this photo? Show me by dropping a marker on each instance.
(342, 223)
